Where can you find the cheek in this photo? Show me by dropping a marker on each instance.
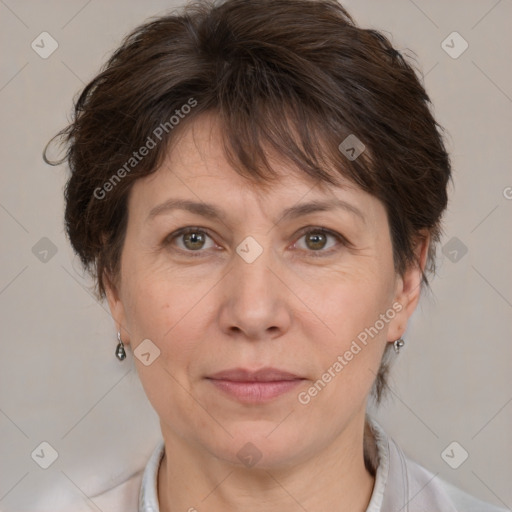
(166, 312)
(354, 309)
(153, 306)
(353, 300)
(359, 333)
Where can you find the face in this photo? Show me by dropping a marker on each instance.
(221, 275)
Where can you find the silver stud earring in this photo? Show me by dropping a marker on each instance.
(398, 344)
(120, 351)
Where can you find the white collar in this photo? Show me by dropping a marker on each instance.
(148, 496)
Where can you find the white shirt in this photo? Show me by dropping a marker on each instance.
(401, 485)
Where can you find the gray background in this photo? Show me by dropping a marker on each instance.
(59, 379)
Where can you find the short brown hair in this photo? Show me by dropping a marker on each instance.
(296, 77)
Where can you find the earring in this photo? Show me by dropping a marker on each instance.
(120, 351)
(398, 344)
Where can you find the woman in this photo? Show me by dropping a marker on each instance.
(258, 189)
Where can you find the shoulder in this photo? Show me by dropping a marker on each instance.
(121, 498)
(408, 486)
(464, 501)
(431, 488)
(139, 493)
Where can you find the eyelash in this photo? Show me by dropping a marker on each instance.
(309, 229)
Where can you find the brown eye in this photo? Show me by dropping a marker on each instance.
(190, 240)
(194, 240)
(316, 240)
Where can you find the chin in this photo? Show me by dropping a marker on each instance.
(260, 445)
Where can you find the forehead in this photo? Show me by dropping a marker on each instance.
(198, 156)
(195, 176)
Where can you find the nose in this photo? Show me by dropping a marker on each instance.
(255, 300)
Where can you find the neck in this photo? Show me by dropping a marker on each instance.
(334, 479)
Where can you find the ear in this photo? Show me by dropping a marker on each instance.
(116, 306)
(408, 288)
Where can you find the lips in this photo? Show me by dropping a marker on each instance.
(262, 375)
(255, 387)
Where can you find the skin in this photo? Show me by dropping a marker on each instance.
(287, 309)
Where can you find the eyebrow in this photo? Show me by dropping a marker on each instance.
(212, 212)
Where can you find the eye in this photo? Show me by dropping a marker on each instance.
(317, 239)
(190, 239)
